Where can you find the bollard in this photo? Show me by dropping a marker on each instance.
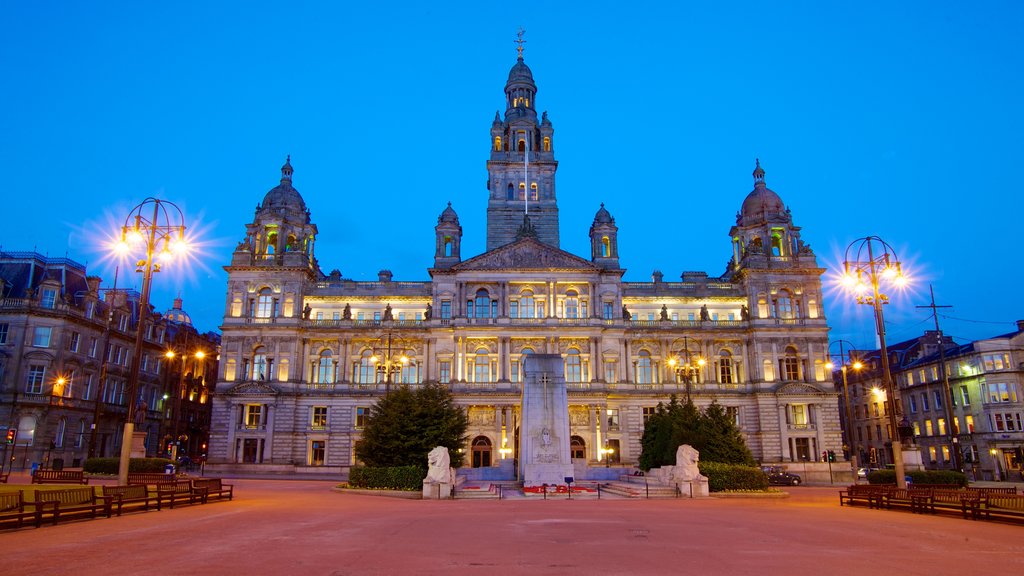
(647, 488)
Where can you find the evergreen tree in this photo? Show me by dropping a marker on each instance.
(711, 432)
(404, 426)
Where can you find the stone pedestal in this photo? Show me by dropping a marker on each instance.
(912, 459)
(544, 440)
(437, 490)
(699, 489)
(138, 445)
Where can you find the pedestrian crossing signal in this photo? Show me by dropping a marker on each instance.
(12, 434)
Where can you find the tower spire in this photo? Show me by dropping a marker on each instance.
(519, 40)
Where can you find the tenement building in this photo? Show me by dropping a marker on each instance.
(65, 357)
(306, 354)
(974, 423)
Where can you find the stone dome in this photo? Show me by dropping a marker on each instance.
(177, 315)
(520, 73)
(284, 196)
(762, 203)
(603, 216)
(448, 215)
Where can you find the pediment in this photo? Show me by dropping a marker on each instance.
(796, 388)
(526, 254)
(253, 389)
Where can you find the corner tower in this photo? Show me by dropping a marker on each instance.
(521, 169)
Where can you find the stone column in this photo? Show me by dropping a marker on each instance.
(595, 439)
(784, 432)
(268, 449)
(344, 360)
(234, 417)
(815, 410)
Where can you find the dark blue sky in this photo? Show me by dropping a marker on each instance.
(902, 121)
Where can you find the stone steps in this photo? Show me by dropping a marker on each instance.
(632, 489)
(475, 491)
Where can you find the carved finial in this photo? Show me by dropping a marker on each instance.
(758, 172)
(519, 40)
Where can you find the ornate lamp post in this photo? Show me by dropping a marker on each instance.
(391, 365)
(872, 260)
(688, 367)
(159, 236)
(856, 365)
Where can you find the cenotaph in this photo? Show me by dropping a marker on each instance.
(544, 431)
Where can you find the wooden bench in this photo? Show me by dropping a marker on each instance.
(179, 490)
(3, 477)
(135, 495)
(59, 477)
(871, 495)
(214, 488)
(12, 510)
(900, 497)
(149, 478)
(1001, 505)
(70, 502)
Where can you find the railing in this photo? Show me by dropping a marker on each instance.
(255, 320)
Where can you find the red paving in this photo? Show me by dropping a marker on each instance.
(302, 527)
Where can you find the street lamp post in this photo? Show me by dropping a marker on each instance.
(848, 429)
(391, 365)
(687, 368)
(159, 235)
(872, 259)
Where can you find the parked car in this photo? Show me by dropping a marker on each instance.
(776, 475)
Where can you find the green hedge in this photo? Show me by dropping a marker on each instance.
(920, 477)
(733, 477)
(110, 465)
(393, 478)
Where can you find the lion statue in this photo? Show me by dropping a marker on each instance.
(686, 469)
(438, 466)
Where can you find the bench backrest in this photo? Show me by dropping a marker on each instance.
(68, 496)
(177, 487)
(1011, 501)
(130, 491)
(149, 477)
(11, 501)
(60, 475)
(211, 483)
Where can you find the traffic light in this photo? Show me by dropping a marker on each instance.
(12, 434)
(831, 455)
(824, 455)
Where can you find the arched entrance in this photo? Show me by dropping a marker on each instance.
(481, 452)
(577, 447)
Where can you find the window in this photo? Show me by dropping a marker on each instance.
(317, 452)
(608, 311)
(917, 428)
(969, 420)
(790, 365)
(913, 404)
(260, 364)
(725, 373)
(527, 305)
(644, 373)
(266, 304)
(365, 369)
(733, 412)
(41, 336)
(446, 309)
(613, 418)
(87, 390)
(610, 372)
(999, 392)
(325, 368)
(572, 304)
(875, 405)
(938, 399)
(4, 327)
(73, 341)
(965, 396)
(932, 453)
(480, 366)
(92, 348)
(49, 298)
(995, 362)
(928, 430)
(122, 323)
(362, 415)
(784, 305)
(573, 366)
(445, 371)
(483, 304)
(34, 379)
(58, 439)
(942, 426)
(318, 419)
(798, 415)
(577, 447)
(924, 402)
(648, 412)
(254, 416)
(80, 437)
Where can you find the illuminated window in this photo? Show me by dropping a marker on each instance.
(610, 374)
(480, 366)
(790, 365)
(644, 373)
(577, 447)
(497, 143)
(318, 418)
(547, 144)
(317, 452)
(798, 415)
(325, 368)
(533, 191)
(527, 306)
(365, 371)
(260, 364)
(648, 412)
(573, 366)
(725, 368)
(784, 305)
(362, 416)
(572, 304)
(606, 247)
(266, 304)
(253, 416)
(522, 145)
(613, 418)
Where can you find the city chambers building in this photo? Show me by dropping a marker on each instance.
(306, 354)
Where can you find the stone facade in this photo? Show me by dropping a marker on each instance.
(305, 354)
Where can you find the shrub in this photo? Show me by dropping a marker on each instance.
(110, 465)
(387, 478)
(733, 476)
(920, 477)
(711, 431)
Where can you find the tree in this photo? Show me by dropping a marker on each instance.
(408, 423)
(711, 432)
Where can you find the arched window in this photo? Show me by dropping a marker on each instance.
(527, 306)
(481, 452)
(510, 194)
(410, 372)
(58, 439)
(547, 144)
(606, 247)
(776, 244)
(265, 304)
(577, 447)
(497, 143)
(517, 364)
(573, 366)
(448, 246)
(365, 369)
(291, 244)
(260, 364)
(522, 191)
(533, 191)
(572, 304)
(483, 304)
(644, 373)
(325, 368)
(481, 366)
(725, 367)
(784, 305)
(80, 437)
(522, 145)
(789, 367)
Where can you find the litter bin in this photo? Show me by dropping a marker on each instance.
(58, 463)
(169, 469)
(35, 466)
